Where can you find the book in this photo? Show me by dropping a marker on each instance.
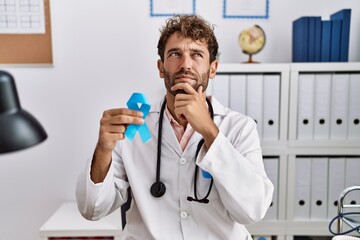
(317, 39)
(344, 16)
(300, 39)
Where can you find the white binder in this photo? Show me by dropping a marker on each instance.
(271, 106)
(319, 188)
(220, 89)
(339, 106)
(272, 170)
(336, 184)
(302, 188)
(254, 100)
(305, 120)
(354, 107)
(352, 178)
(322, 106)
(238, 93)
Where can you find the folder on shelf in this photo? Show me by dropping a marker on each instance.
(325, 41)
(319, 188)
(344, 16)
(336, 184)
(220, 89)
(354, 107)
(335, 40)
(272, 170)
(305, 119)
(238, 93)
(314, 38)
(302, 188)
(254, 101)
(300, 39)
(271, 106)
(339, 106)
(352, 178)
(322, 106)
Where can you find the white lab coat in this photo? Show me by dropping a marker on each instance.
(241, 192)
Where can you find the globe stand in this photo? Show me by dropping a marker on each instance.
(250, 58)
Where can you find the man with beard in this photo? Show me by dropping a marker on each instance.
(212, 178)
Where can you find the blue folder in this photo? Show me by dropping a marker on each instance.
(344, 16)
(300, 40)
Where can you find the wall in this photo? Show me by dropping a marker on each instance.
(103, 51)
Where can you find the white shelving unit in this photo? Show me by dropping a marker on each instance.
(287, 147)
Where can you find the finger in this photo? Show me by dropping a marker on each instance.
(183, 86)
(122, 119)
(114, 129)
(123, 111)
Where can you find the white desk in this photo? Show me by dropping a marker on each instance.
(68, 222)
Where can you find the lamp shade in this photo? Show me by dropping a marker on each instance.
(18, 128)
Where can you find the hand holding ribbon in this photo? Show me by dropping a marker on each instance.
(138, 102)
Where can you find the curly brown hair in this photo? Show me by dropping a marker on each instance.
(189, 26)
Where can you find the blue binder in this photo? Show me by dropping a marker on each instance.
(325, 41)
(314, 39)
(345, 16)
(300, 39)
(317, 39)
(335, 40)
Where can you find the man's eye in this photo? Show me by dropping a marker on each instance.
(174, 54)
(198, 55)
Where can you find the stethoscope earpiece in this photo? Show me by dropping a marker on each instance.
(158, 189)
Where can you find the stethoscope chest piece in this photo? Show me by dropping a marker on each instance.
(158, 189)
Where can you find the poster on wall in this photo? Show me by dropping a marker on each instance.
(167, 8)
(22, 17)
(246, 9)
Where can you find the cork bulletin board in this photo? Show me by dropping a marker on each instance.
(28, 48)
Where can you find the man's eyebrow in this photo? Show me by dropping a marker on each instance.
(172, 50)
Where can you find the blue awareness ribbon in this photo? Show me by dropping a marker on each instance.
(138, 102)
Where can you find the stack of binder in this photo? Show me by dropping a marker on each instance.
(316, 40)
(328, 106)
(319, 182)
(256, 95)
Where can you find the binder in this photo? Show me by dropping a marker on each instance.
(254, 100)
(319, 188)
(313, 38)
(238, 93)
(318, 25)
(322, 106)
(300, 39)
(305, 120)
(271, 107)
(325, 41)
(339, 106)
(336, 184)
(354, 107)
(344, 16)
(302, 188)
(335, 40)
(272, 170)
(352, 178)
(220, 89)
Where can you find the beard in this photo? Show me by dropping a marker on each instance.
(169, 80)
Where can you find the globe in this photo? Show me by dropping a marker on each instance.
(252, 41)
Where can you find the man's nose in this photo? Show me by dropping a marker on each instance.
(186, 62)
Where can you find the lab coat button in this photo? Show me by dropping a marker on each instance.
(183, 215)
(182, 161)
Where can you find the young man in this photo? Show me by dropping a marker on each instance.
(201, 176)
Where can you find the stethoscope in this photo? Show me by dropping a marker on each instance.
(158, 188)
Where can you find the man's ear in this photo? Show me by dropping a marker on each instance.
(213, 68)
(160, 66)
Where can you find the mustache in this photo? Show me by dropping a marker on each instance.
(184, 72)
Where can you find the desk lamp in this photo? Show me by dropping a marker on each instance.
(18, 128)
